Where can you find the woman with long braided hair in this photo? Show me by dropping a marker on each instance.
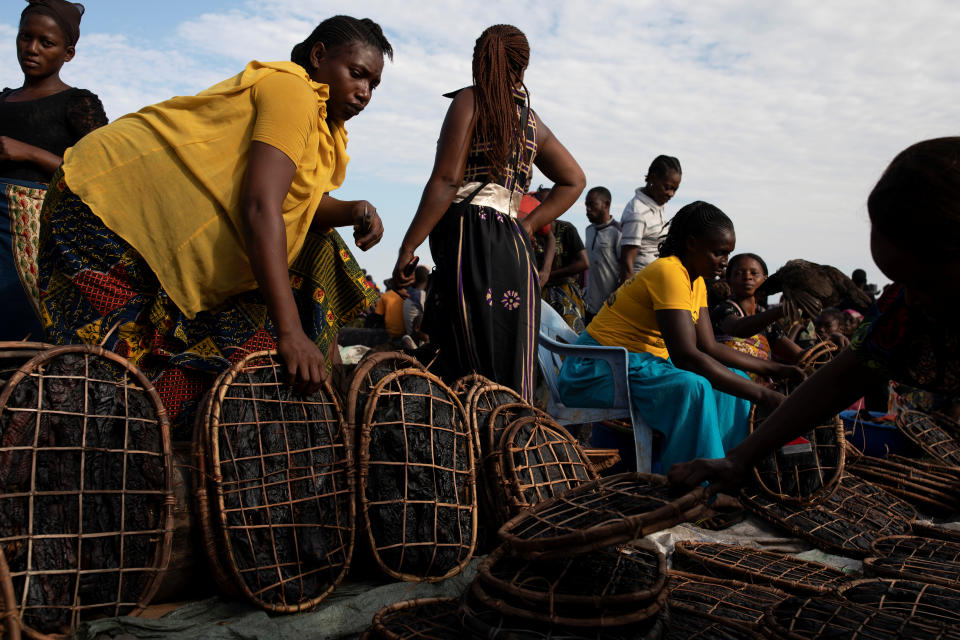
(679, 376)
(483, 307)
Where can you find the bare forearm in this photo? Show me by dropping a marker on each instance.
(437, 196)
(719, 376)
(561, 197)
(749, 326)
(267, 250)
(628, 254)
(579, 265)
(732, 358)
(332, 212)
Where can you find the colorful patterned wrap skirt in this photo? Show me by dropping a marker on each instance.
(20, 204)
(757, 346)
(567, 299)
(95, 288)
(483, 306)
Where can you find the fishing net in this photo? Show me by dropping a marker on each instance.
(752, 565)
(845, 524)
(802, 618)
(601, 513)
(807, 469)
(908, 598)
(417, 492)
(915, 558)
(281, 528)
(730, 602)
(86, 500)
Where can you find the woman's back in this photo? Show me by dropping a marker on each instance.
(517, 175)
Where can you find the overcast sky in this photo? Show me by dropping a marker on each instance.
(783, 114)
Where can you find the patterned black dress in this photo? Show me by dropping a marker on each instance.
(482, 309)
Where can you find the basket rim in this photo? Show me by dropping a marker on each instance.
(828, 488)
(363, 367)
(363, 460)
(729, 584)
(485, 574)
(217, 393)
(10, 614)
(378, 626)
(682, 509)
(164, 546)
(906, 418)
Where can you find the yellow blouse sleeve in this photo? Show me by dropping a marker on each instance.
(669, 286)
(287, 111)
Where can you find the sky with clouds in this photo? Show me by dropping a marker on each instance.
(783, 114)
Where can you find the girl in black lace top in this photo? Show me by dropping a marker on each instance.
(38, 121)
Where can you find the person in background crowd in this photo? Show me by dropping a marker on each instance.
(680, 378)
(390, 306)
(744, 324)
(483, 311)
(829, 326)
(38, 122)
(562, 290)
(413, 305)
(603, 251)
(911, 335)
(641, 224)
(208, 220)
(859, 277)
(851, 320)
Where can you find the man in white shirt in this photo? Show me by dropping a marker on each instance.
(603, 251)
(641, 224)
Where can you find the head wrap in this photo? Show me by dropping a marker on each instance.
(65, 14)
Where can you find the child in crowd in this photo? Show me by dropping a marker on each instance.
(911, 336)
(829, 326)
(642, 223)
(603, 251)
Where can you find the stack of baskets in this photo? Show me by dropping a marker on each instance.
(85, 486)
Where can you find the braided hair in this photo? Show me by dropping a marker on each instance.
(500, 57)
(339, 30)
(694, 220)
(662, 166)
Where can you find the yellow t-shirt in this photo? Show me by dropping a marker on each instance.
(628, 318)
(168, 178)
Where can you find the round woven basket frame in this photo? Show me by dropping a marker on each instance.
(614, 617)
(220, 489)
(913, 486)
(479, 407)
(9, 618)
(756, 566)
(926, 601)
(462, 386)
(829, 478)
(543, 448)
(619, 507)
(444, 629)
(361, 383)
(469, 476)
(162, 533)
(930, 436)
(722, 596)
(602, 459)
(490, 479)
(526, 577)
(817, 356)
(914, 558)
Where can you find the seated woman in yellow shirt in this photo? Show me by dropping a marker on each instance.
(679, 376)
(200, 229)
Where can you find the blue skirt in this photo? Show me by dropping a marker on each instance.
(696, 420)
(20, 204)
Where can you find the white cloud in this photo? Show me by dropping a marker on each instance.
(783, 114)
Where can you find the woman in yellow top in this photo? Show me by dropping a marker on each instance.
(200, 229)
(679, 376)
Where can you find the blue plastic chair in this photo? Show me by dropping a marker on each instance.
(557, 342)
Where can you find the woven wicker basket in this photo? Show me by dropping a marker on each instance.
(419, 619)
(812, 618)
(692, 627)
(417, 489)
(908, 598)
(806, 471)
(601, 513)
(462, 387)
(817, 356)
(915, 558)
(86, 502)
(482, 401)
(602, 459)
(537, 461)
(931, 492)
(606, 578)
(730, 602)
(373, 368)
(929, 530)
(281, 528)
(930, 435)
(9, 618)
(846, 524)
(757, 566)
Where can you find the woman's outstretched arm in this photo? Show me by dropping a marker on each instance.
(441, 187)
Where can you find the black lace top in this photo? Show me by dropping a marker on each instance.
(52, 123)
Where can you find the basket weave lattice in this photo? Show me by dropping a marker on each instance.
(757, 566)
(539, 460)
(930, 530)
(692, 627)
(813, 618)
(462, 387)
(907, 598)
(9, 618)
(282, 523)
(601, 513)
(915, 558)
(482, 401)
(602, 459)
(931, 492)
(482, 621)
(417, 485)
(807, 470)
(86, 505)
(592, 616)
(605, 578)
(846, 524)
(373, 368)
(929, 435)
(419, 619)
(730, 602)
(817, 356)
